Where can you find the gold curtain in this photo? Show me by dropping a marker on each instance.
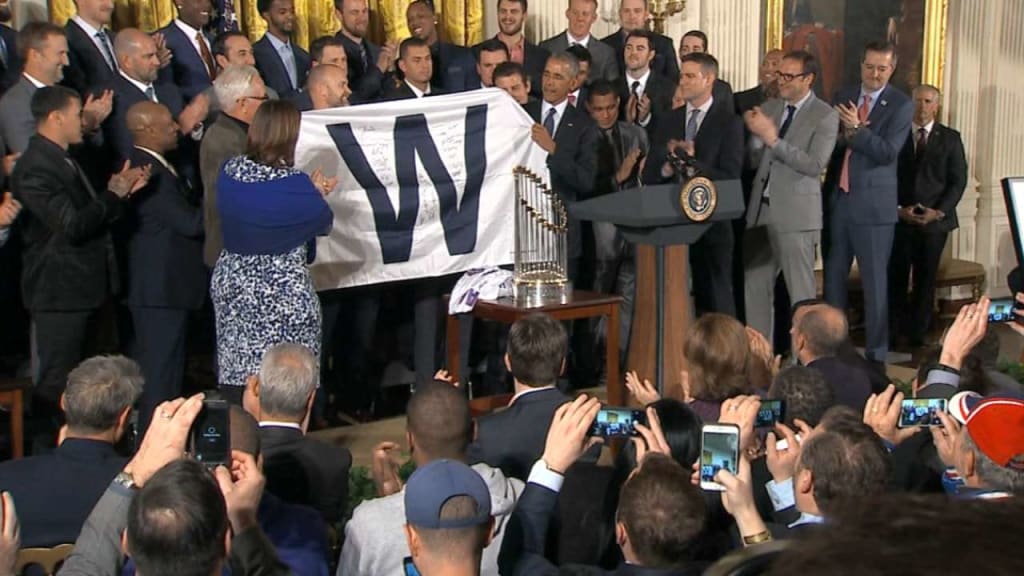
(460, 21)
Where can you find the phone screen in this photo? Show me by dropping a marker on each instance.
(921, 412)
(719, 451)
(211, 434)
(771, 411)
(616, 422)
(1001, 310)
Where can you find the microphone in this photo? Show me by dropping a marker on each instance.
(681, 160)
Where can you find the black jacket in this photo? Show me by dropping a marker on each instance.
(367, 82)
(513, 439)
(664, 63)
(718, 146)
(937, 179)
(303, 470)
(850, 384)
(9, 73)
(272, 69)
(658, 88)
(534, 60)
(115, 128)
(404, 92)
(87, 67)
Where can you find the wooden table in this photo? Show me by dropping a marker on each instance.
(583, 305)
(12, 397)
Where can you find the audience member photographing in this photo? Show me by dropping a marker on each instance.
(988, 451)
(818, 334)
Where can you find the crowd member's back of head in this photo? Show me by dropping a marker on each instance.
(178, 523)
(904, 534)
(439, 423)
(806, 394)
(973, 376)
(718, 362)
(840, 463)
(818, 335)
(536, 350)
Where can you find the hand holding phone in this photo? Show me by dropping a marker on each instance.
(719, 450)
(770, 413)
(921, 412)
(612, 422)
(1001, 310)
(210, 436)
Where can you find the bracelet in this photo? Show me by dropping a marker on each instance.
(759, 538)
(946, 368)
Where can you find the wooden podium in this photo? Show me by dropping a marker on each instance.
(652, 217)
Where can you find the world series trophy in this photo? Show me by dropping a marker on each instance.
(541, 243)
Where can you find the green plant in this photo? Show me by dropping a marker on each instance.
(1014, 370)
(361, 486)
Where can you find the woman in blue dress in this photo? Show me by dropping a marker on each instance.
(271, 214)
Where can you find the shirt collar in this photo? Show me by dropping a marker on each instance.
(277, 44)
(142, 87)
(189, 31)
(800, 104)
(159, 157)
(806, 518)
(703, 107)
(585, 41)
(34, 82)
(529, 391)
(927, 127)
(642, 80)
(874, 95)
(276, 424)
(419, 93)
(559, 109)
(89, 30)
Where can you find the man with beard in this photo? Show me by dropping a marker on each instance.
(454, 67)
(369, 65)
(282, 64)
(10, 61)
(511, 20)
(633, 15)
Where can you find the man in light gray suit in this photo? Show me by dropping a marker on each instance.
(793, 139)
(581, 15)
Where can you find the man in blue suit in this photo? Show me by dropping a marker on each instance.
(860, 190)
(281, 63)
(193, 67)
(10, 60)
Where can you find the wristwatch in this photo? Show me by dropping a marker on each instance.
(125, 480)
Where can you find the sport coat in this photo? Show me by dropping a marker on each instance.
(67, 247)
(16, 123)
(115, 128)
(572, 165)
(10, 71)
(306, 471)
(876, 148)
(367, 82)
(747, 99)
(224, 139)
(513, 439)
(937, 178)
(718, 146)
(165, 242)
(658, 88)
(454, 68)
(534, 59)
(792, 168)
(187, 71)
(272, 69)
(87, 67)
(631, 136)
(849, 383)
(403, 92)
(603, 64)
(664, 63)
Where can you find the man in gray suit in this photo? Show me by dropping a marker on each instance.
(239, 91)
(793, 138)
(861, 190)
(581, 15)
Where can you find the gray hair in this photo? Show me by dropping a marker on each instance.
(928, 88)
(568, 59)
(288, 375)
(992, 474)
(825, 328)
(232, 84)
(98, 390)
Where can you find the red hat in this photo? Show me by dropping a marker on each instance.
(997, 427)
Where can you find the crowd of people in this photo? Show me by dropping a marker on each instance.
(151, 192)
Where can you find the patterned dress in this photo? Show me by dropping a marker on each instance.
(261, 299)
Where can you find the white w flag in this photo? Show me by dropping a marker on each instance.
(425, 186)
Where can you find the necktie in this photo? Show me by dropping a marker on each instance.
(634, 88)
(151, 93)
(364, 58)
(609, 135)
(691, 126)
(790, 112)
(921, 142)
(81, 176)
(288, 59)
(572, 100)
(844, 174)
(108, 52)
(204, 53)
(549, 122)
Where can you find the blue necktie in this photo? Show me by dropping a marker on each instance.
(790, 112)
(549, 122)
(691, 126)
(288, 59)
(150, 93)
(108, 52)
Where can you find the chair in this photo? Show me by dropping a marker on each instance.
(49, 559)
(12, 397)
(750, 561)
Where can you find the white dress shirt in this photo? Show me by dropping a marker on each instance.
(559, 113)
(419, 93)
(91, 33)
(192, 34)
(284, 52)
(142, 87)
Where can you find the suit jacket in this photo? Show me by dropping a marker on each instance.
(88, 68)
(664, 63)
(875, 148)
(534, 510)
(722, 92)
(603, 63)
(302, 100)
(55, 492)
(792, 168)
(68, 253)
(404, 92)
(573, 164)
(305, 471)
(937, 179)
(165, 246)
(631, 136)
(534, 59)
(850, 384)
(16, 122)
(718, 146)
(272, 69)
(187, 71)
(454, 68)
(658, 88)
(115, 128)
(10, 71)
(298, 533)
(747, 99)
(224, 139)
(367, 82)
(513, 439)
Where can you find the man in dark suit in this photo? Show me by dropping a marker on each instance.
(932, 176)
(193, 68)
(55, 492)
(10, 59)
(513, 439)
(416, 64)
(581, 15)
(563, 131)
(281, 63)
(90, 46)
(643, 93)
(861, 191)
(298, 468)
(454, 68)
(696, 41)
(369, 65)
(819, 332)
(708, 131)
(69, 267)
(633, 15)
(767, 87)
(512, 16)
(166, 275)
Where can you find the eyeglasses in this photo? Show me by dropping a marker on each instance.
(789, 77)
(260, 98)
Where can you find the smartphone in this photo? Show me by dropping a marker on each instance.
(409, 568)
(210, 437)
(771, 411)
(1001, 310)
(918, 210)
(719, 450)
(921, 412)
(612, 422)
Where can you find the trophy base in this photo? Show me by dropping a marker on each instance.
(538, 294)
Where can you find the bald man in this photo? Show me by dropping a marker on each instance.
(326, 87)
(166, 274)
(819, 332)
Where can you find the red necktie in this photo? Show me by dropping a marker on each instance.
(204, 53)
(844, 175)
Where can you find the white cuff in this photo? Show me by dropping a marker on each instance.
(781, 494)
(541, 475)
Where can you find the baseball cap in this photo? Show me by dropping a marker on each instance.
(431, 486)
(996, 426)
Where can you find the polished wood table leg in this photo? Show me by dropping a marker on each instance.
(452, 334)
(614, 384)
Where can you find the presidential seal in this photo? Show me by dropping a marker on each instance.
(698, 199)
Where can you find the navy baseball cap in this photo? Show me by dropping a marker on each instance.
(430, 487)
